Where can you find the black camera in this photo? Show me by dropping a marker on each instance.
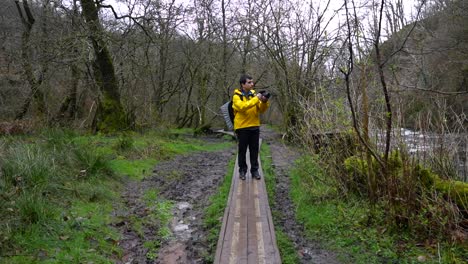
(266, 94)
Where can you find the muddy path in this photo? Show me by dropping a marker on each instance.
(189, 180)
(283, 157)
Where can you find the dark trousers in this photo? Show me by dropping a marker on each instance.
(248, 138)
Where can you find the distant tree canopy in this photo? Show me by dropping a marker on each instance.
(166, 63)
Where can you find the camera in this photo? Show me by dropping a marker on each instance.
(265, 94)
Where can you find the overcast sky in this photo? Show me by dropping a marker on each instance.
(333, 9)
(334, 5)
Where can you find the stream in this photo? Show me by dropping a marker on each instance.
(430, 147)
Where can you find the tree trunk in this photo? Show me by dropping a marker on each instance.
(70, 103)
(28, 21)
(110, 115)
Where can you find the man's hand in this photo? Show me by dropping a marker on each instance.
(262, 98)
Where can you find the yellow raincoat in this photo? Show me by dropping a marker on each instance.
(247, 111)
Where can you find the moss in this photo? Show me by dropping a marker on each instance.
(395, 162)
(111, 116)
(356, 169)
(426, 177)
(355, 165)
(456, 191)
(203, 129)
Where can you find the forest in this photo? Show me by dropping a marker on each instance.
(374, 93)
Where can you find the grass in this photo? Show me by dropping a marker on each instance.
(351, 227)
(215, 211)
(288, 253)
(58, 190)
(158, 217)
(135, 169)
(286, 247)
(80, 234)
(268, 171)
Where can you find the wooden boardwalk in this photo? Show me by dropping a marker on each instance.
(247, 233)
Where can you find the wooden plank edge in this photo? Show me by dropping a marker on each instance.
(222, 233)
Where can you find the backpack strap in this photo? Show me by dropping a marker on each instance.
(241, 96)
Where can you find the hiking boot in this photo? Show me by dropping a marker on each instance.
(242, 175)
(256, 175)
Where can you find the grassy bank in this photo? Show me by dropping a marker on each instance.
(58, 190)
(351, 227)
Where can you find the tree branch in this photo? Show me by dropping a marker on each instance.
(434, 91)
(407, 36)
(134, 19)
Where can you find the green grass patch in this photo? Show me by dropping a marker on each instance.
(78, 235)
(135, 169)
(286, 247)
(184, 146)
(268, 171)
(158, 218)
(134, 154)
(215, 211)
(58, 189)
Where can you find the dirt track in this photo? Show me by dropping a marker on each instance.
(190, 180)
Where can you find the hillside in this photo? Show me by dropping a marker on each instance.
(430, 73)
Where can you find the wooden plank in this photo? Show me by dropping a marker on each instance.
(270, 246)
(232, 233)
(247, 233)
(262, 258)
(244, 213)
(230, 133)
(234, 243)
(255, 222)
(275, 253)
(227, 225)
(252, 223)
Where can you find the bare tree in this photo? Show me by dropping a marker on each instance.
(295, 41)
(69, 105)
(28, 21)
(110, 113)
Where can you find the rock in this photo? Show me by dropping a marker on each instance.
(181, 228)
(422, 258)
(184, 206)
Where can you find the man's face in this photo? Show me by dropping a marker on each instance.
(248, 85)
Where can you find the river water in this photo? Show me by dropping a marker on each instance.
(430, 148)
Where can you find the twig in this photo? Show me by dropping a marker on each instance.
(134, 19)
(434, 91)
(90, 110)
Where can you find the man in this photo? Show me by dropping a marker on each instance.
(247, 108)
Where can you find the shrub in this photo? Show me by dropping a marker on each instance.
(124, 142)
(407, 191)
(33, 208)
(90, 162)
(57, 138)
(27, 166)
(456, 191)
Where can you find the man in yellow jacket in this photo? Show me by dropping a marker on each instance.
(247, 107)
